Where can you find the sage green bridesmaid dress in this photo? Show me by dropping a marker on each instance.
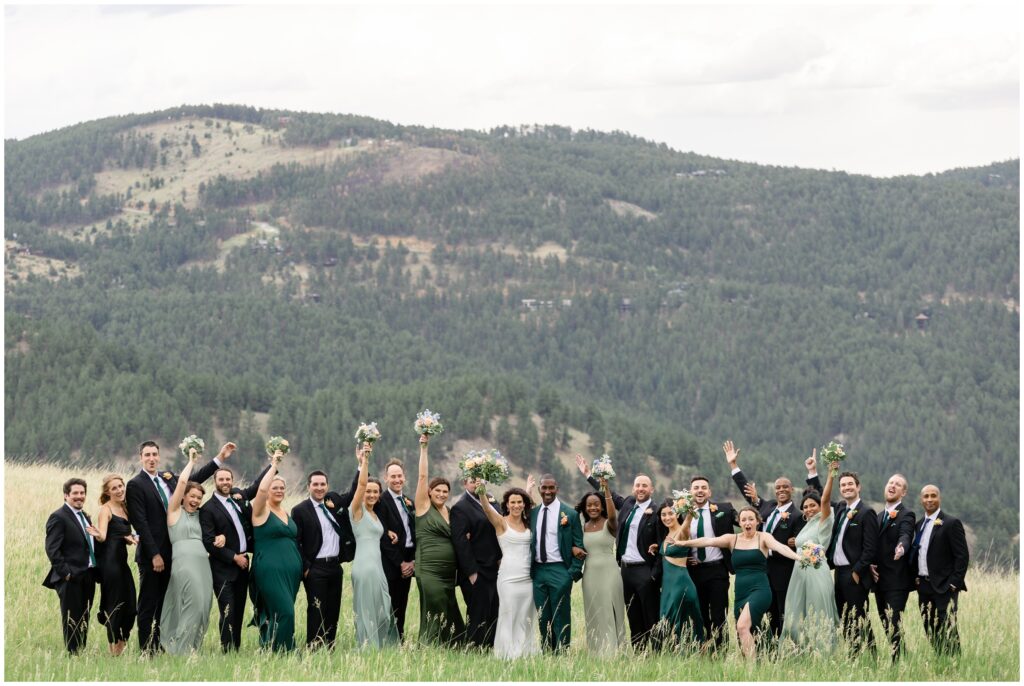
(186, 611)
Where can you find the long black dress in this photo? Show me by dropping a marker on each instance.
(117, 587)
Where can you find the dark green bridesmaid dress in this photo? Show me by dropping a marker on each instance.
(751, 584)
(440, 618)
(276, 573)
(681, 622)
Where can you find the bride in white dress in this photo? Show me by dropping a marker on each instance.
(516, 632)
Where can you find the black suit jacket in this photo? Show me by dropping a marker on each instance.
(311, 537)
(476, 544)
(66, 546)
(860, 543)
(895, 575)
(785, 529)
(148, 515)
(948, 556)
(646, 534)
(394, 554)
(215, 520)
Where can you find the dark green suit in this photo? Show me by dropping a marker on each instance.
(552, 581)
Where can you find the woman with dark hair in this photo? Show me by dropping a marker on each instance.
(186, 611)
(680, 624)
(117, 587)
(750, 561)
(371, 601)
(810, 614)
(515, 634)
(604, 606)
(440, 618)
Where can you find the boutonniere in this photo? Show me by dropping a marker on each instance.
(784, 516)
(850, 514)
(167, 476)
(937, 522)
(713, 508)
(408, 503)
(564, 521)
(329, 503)
(468, 536)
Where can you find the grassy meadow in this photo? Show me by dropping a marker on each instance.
(989, 629)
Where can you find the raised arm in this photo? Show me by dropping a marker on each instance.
(776, 547)
(493, 516)
(249, 492)
(259, 503)
(356, 506)
(723, 541)
(422, 494)
(174, 506)
(732, 454)
(613, 517)
(584, 468)
(683, 534)
(826, 495)
(345, 499)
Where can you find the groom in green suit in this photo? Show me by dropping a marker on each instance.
(555, 530)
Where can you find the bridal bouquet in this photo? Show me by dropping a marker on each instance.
(811, 555)
(367, 433)
(428, 423)
(833, 453)
(682, 503)
(485, 465)
(190, 442)
(602, 468)
(275, 443)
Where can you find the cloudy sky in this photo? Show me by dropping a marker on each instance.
(881, 89)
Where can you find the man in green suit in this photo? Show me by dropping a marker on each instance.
(555, 531)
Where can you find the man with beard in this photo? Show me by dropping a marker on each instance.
(477, 555)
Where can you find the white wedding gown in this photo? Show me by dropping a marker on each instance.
(516, 632)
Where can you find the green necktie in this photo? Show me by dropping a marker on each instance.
(330, 518)
(163, 496)
(88, 539)
(771, 521)
(238, 508)
(624, 534)
(701, 554)
(405, 507)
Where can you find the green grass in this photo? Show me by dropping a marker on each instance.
(989, 628)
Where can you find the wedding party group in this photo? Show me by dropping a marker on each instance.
(804, 570)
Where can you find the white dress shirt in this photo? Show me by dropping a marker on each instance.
(88, 536)
(839, 558)
(229, 505)
(331, 546)
(710, 554)
(922, 552)
(632, 552)
(400, 504)
(554, 517)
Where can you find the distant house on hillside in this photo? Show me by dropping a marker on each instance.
(922, 321)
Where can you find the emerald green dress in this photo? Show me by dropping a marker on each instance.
(680, 622)
(751, 585)
(440, 619)
(276, 573)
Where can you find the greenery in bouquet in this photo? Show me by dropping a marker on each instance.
(367, 433)
(833, 453)
(275, 443)
(682, 503)
(602, 468)
(428, 423)
(190, 442)
(811, 555)
(485, 465)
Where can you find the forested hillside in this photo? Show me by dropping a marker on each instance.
(183, 271)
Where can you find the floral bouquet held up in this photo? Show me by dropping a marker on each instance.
(428, 423)
(275, 443)
(190, 442)
(682, 503)
(602, 468)
(811, 555)
(485, 465)
(833, 453)
(367, 433)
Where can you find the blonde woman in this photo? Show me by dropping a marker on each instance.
(113, 534)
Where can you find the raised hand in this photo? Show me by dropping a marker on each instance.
(192, 454)
(277, 457)
(530, 483)
(226, 450)
(812, 462)
(731, 453)
(424, 440)
(750, 490)
(604, 484)
(582, 465)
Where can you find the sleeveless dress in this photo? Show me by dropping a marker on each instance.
(604, 606)
(274, 581)
(371, 602)
(681, 622)
(186, 611)
(751, 585)
(811, 618)
(440, 618)
(516, 632)
(117, 587)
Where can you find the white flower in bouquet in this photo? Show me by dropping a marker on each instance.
(428, 423)
(602, 468)
(275, 443)
(682, 503)
(190, 442)
(832, 453)
(485, 465)
(367, 433)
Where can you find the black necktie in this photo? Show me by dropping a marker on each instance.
(544, 536)
(920, 533)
